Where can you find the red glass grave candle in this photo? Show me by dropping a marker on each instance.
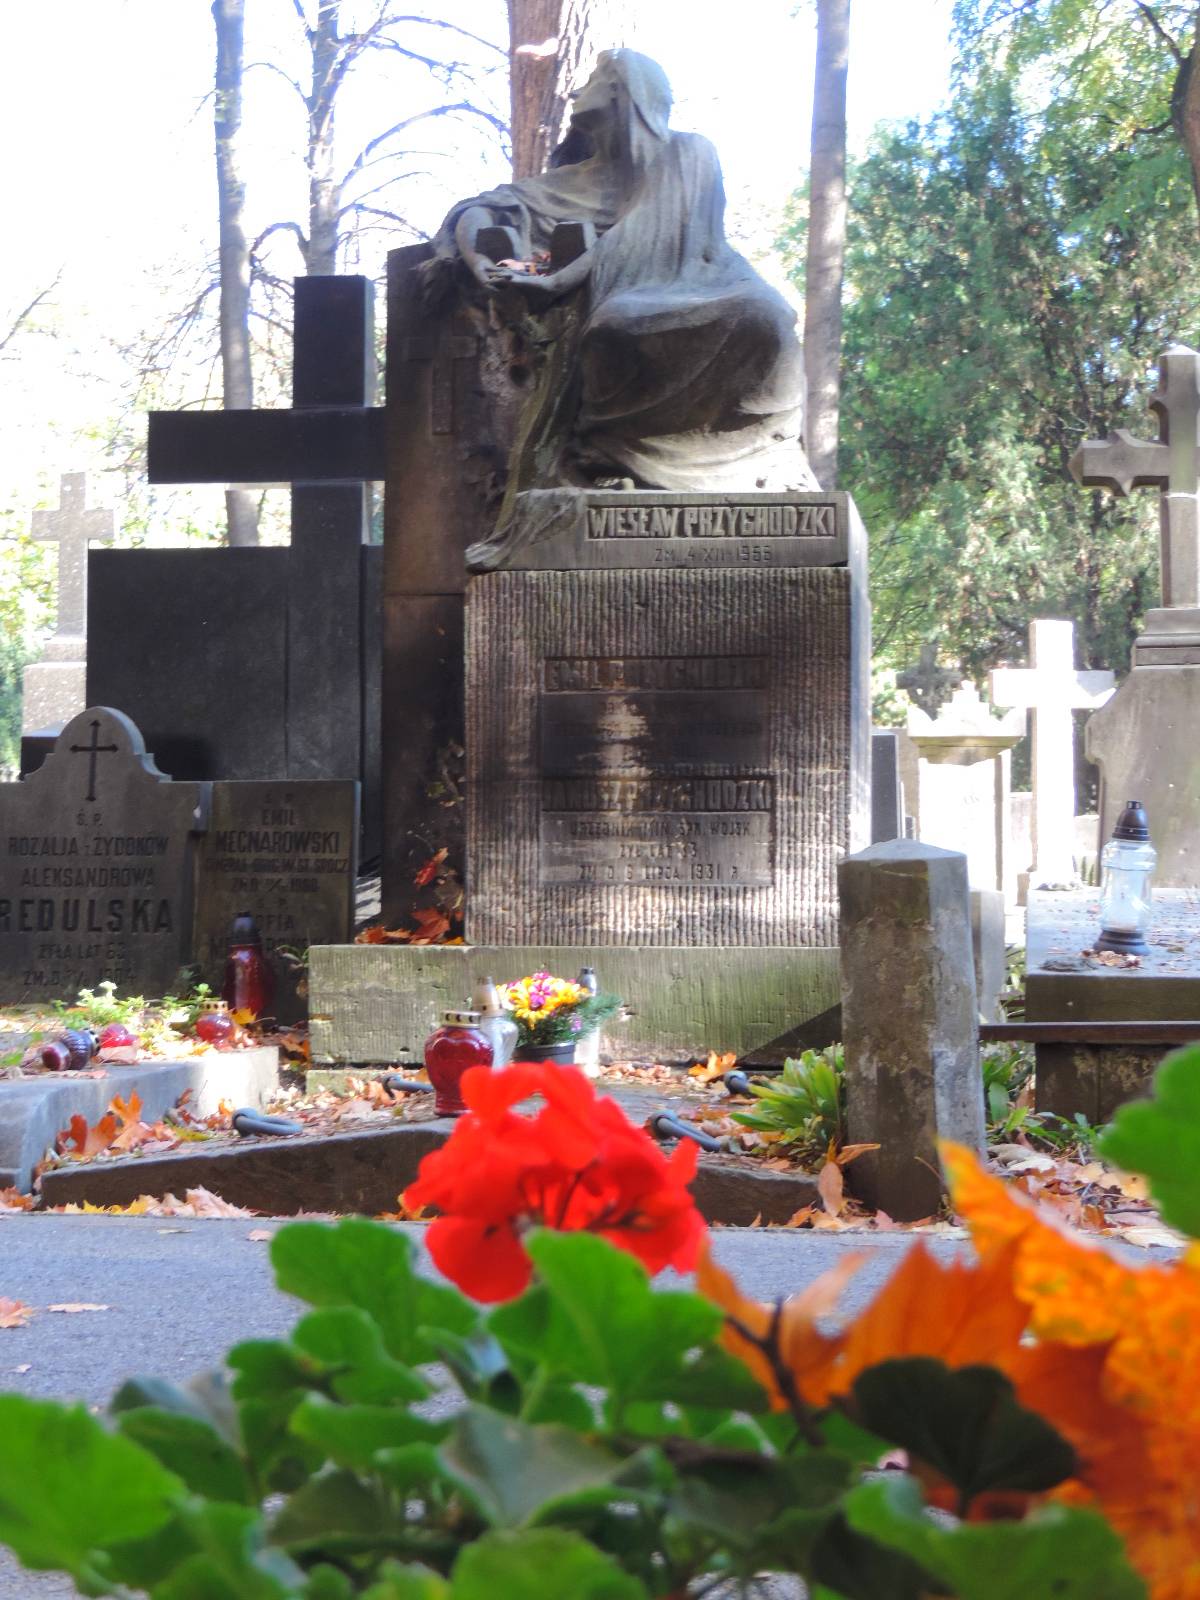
(249, 982)
(214, 1024)
(449, 1051)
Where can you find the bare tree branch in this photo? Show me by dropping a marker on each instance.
(287, 78)
(280, 227)
(1156, 23)
(22, 317)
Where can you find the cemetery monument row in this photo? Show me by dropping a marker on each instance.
(667, 639)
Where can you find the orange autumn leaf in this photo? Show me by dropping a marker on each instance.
(432, 925)
(805, 1351)
(14, 1313)
(429, 871)
(715, 1067)
(13, 1200)
(82, 1142)
(1140, 1326)
(831, 1188)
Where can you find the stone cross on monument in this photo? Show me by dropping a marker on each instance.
(1051, 689)
(72, 526)
(1171, 464)
(929, 685)
(53, 688)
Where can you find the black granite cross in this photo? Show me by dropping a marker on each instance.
(927, 683)
(329, 447)
(1171, 463)
(92, 751)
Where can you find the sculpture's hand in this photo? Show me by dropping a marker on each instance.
(538, 290)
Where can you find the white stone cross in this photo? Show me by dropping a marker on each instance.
(1172, 464)
(73, 527)
(1051, 689)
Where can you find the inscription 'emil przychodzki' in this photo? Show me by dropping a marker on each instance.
(712, 522)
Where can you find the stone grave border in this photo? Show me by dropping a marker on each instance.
(34, 1110)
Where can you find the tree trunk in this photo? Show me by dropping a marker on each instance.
(1185, 109)
(234, 256)
(541, 83)
(320, 258)
(826, 241)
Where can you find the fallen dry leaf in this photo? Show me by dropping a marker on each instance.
(26, 1366)
(14, 1200)
(14, 1313)
(831, 1188)
(715, 1067)
(71, 1307)
(260, 1235)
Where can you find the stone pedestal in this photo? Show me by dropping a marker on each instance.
(909, 1020)
(1144, 742)
(669, 745)
(963, 782)
(1063, 985)
(54, 689)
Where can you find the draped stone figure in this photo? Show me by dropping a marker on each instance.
(662, 359)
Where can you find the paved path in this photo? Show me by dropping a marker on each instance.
(180, 1292)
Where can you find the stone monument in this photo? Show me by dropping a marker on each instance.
(1143, 739)
(96, 866)
(54, 689)
(959, 798)
(1051, 689)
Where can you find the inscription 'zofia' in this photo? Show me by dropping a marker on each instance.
(712, 522)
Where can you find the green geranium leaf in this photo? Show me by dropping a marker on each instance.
(348, 1346)
(328, 1583)
(328, 1510)
(767, 1508)
(70, 1489)
(192, 1449)
(595, 1319)
(965, 1423)
(515, 1472)
(408, 1583)
(1057, 1550)
(230, 1561)
(1160, 1138)
(369, 1265)
(350, 1435)
(548, 1563)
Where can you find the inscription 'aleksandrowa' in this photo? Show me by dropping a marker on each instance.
(562, 675)
(712, 522)
(650, 794)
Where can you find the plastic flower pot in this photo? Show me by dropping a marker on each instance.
(563, 1053)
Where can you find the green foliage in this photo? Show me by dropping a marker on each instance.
(96, 1008)
(1007, 1069)
(1014, 269)
(1160, 1137)
(587, 1441)
(26, 612)
(806, 1103)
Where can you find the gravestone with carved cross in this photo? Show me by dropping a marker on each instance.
(1171, 464)
(263, 663)
(96, 867)
(1051, 690)
(1144, 739)
(449, 403)
(928, 685)
(54, 685)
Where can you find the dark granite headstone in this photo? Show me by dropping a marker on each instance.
(263, 663)
(668, 756)
(96, 866)
(287, 853)
(887, 794)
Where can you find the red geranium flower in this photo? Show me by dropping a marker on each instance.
(579, 1165)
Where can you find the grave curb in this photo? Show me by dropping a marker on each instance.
(34, 1110)
(364, 1172)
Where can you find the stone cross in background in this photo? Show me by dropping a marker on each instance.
(72, 526)
(1171, 464)
(1051, 689)
(53, 688)
(929, 685)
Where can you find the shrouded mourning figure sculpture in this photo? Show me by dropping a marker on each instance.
(675, 365)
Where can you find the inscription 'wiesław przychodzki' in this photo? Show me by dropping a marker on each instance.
(712, 522)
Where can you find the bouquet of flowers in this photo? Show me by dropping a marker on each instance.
(549, 1010)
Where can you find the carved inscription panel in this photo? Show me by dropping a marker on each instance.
(625, 797)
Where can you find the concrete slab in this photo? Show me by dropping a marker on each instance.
(33, 1110)
(1063, 984)
(371, 1003)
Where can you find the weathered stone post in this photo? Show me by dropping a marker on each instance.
(909, 1019)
